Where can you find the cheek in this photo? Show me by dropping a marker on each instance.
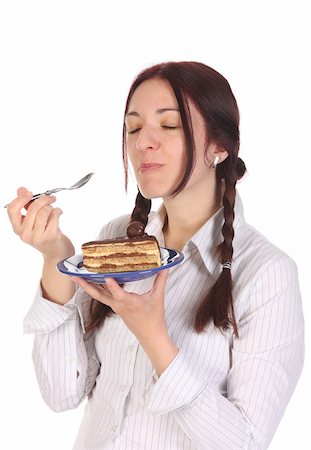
(180, 163)
(131, 154)
(180, 155)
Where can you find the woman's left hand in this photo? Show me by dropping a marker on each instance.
(143, 315)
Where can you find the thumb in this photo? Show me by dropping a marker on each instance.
(160, 281)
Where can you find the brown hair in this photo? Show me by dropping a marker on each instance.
(213, 97)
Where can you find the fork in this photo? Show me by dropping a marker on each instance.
(77, 185)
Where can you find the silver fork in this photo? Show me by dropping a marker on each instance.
(77, 185)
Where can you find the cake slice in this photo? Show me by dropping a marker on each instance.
(121, 254)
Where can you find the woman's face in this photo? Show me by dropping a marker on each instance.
(155, 139)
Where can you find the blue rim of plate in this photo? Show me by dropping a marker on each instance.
(72, 267)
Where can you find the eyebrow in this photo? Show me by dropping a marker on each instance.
(158, 111)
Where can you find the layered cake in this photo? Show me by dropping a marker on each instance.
(122, 254)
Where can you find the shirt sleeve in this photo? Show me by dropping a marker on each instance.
(267, 360)
(64, 355)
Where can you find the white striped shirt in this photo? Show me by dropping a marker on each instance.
(219, 392)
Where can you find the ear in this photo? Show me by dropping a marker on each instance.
(213, 150)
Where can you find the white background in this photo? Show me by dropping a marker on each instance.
(65, 70)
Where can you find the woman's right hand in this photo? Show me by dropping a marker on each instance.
(39, 227)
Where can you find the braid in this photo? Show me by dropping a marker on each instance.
(227, 228)
(227, 252)
(218, 304)
(139, 217)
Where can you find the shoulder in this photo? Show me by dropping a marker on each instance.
(263, 273)
(253, 249)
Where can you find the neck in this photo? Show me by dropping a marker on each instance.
(187, 213)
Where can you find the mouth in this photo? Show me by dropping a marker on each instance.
(149, 167)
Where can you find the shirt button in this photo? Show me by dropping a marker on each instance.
(114, 428)
(130, 348)
(123, 388)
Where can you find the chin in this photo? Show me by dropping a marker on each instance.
(152, 193)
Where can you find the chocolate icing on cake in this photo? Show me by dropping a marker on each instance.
(121, 239)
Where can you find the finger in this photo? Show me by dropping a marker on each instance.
(114, 288)
(52, 226)
(160, 281)
(22, 192)
(31, 217)
(94, 290)
(46, 228)
(42, 218)
(15, 207)
(41, 202)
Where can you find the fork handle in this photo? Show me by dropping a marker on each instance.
(34, 197)
(49, 192)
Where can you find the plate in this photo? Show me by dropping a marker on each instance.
(73, 266)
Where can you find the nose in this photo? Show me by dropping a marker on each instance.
(147, 139)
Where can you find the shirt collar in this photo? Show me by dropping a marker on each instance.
(155, 224)
(206, 239)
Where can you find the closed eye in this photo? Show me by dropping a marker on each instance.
(133, 131)
(167, 127)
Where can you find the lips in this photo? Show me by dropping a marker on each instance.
(149, 167)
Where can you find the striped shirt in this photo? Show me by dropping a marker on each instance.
(219, 392)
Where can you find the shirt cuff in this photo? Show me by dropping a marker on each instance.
(177, 387)
(45, 316)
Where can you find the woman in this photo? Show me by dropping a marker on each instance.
(205, 356)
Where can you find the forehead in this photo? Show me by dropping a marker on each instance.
(156, 93)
